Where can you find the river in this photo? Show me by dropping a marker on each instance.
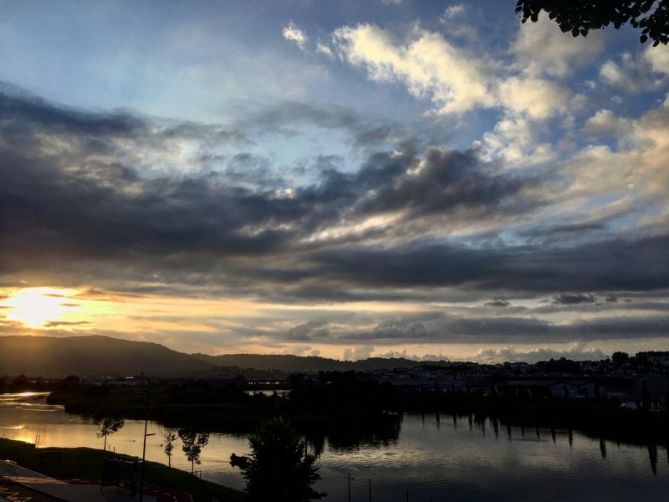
(434, 458)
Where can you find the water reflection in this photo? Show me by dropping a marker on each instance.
(428, 455)
(652, 455)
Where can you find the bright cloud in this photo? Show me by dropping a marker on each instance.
(427, 64)
(538, 98)
(454, 11)
(658, 57)
(542, 48)
(294, 34)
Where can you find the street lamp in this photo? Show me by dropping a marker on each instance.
(141, 479)
(146, 425)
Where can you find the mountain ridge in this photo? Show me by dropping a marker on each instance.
(293, 363)
(101, 355)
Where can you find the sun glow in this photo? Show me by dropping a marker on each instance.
(38, 307)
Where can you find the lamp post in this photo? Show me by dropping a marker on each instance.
(146, 425)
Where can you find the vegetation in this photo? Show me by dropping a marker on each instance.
(109, 426)
(87, 463)
(169, 436)
(580, 17)
(367, 412)
(279, 467)
(193, 442)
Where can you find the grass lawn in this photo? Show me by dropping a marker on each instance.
(86, 463)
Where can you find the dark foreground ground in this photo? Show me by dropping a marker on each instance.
(87, 463)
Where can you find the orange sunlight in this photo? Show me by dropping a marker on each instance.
(37, 307)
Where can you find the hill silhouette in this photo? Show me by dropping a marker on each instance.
(91, 355)
(306, 364)
(102, 355)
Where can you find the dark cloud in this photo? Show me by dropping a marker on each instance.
(66, 324)
(288, 117)
(434, 328)
(441, 183)
(313, 330)
(573, 298)
(562, 231)
(498, 302)
(77, 207)
(373, 135)
(615, 264)
(69, 195)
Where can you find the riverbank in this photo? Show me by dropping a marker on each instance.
(351, 409)
(600, 420)
(87, 463)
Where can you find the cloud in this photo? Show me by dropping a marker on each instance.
(324, 49)
(516, 139)
(289, 118)
(606, 122)
(432, 328)
(498, 302)
(573, 299)
(357, 353)
(308, 331)
(454, 11)
(634, 74)
(542, 49)
(442, 182)
(294, 34)
(204, 225)
(641, 152)
(577, 352)
(456, 81)
(613, 264)
(426, 63)
(410, 225)
(658, 57)
(526, 89)
(616, 76)
(538, 98)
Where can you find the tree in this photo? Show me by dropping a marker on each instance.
(71, 382)
(579, 16)
(109, 426)
(620, 358)
(168, 446)
(193, 442)
(279, 468)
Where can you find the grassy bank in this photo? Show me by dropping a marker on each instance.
(86, 463)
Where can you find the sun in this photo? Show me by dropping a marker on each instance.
(37, 307)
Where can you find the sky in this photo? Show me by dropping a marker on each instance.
(345, 179)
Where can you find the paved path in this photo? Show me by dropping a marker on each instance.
(12, 492)
(60, 490)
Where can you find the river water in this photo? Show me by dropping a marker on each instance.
(434, 458)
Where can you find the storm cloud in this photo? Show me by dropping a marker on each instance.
(74, 188)
(139, 204)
